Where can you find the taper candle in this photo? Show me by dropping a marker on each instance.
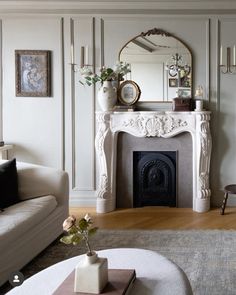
(86, 55)
(221, 55)
(234, 59)
(72, 53)
(82, 57)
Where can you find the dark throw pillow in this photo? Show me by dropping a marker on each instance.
(8, 184)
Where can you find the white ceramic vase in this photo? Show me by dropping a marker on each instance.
(107, 96)
(91, 274)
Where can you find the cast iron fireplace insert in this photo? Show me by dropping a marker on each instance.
(154, 178)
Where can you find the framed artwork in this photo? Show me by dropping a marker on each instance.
(129, 92)
(184, 92)
(33, 73)
(173, 82)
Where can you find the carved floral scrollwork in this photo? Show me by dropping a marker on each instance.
(205, 192)
(205, 151)
(205, 140)
(101, 134)
(103, 186)
(155, 125)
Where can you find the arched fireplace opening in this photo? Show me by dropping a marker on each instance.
(154, 178)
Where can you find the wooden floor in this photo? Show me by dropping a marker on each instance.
(160, 218)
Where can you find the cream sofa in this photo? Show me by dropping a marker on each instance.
(29, 226)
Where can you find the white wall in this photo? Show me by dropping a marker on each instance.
(33, 124)
(59, 131)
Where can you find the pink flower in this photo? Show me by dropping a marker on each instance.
(69, 222)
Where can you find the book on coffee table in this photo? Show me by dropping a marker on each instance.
(120, 282)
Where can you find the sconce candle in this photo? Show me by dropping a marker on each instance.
(72, 53)
(86, 55)
(221, 55)
(234, 57)
(82, 57)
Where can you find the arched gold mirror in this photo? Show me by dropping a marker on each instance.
(161, 64)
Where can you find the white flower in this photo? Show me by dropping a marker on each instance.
(85, 71)
(87, 217)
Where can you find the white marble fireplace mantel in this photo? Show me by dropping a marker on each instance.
(152, 124)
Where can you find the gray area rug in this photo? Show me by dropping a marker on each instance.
(208, 257)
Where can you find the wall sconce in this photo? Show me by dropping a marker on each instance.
(84, 58)
(228, 68)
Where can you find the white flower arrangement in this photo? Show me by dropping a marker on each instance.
(116, 73)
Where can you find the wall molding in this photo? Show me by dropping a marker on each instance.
(78, 97)
(116, 7)
(1, 121)
(207, 92)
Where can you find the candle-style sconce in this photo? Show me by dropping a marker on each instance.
(228, 68)
(84, 58)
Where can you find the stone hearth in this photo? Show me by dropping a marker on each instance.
(153, 124)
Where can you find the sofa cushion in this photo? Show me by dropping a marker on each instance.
(8, 184)
(19, 218)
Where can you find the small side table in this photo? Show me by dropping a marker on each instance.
(228, 189)
(4, 151)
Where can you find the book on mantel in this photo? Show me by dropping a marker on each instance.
(124, 108)
(120, 282)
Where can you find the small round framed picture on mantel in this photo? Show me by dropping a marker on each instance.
(129, 92)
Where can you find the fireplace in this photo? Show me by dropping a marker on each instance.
(127, 145)
(160, 126)
(154, 178)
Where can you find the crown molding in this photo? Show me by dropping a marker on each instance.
(116, 7)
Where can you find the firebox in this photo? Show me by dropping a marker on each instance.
(154, 178)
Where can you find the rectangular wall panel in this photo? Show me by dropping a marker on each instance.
(226, 139)
(34, 125)
(83, 110)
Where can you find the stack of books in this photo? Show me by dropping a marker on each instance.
(123, 108)
(120, 282)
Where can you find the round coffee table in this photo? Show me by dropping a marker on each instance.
(155, 274)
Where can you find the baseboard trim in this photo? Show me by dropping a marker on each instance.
(82, 201)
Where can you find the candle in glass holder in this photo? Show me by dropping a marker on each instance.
(199, 105)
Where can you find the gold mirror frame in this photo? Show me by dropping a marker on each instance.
(161, 32)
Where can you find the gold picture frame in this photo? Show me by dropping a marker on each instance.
(173, 82)
(33, 73)
(129, 92)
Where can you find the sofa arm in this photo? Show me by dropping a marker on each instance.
(36, 180)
